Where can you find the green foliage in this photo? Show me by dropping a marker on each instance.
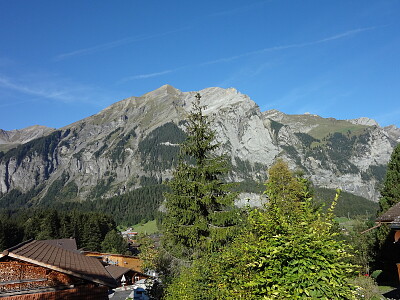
(89, 229)
(103, 186)
(129, 208)
(159, 149)
(118, 153)
(11, 233)
(336, 147)
(362, 243)
(287, 251)
(200, 214)
(292, 152)
(149, 227)
(367, 288)
(114, 243)
(15, 199)
(306, 139)
(348, 205)
(375, 171)
(57, 191)
(248, 186)
(146, 181)
(390, 193)
(43, 146)
(386, 252)
(101, 150)
(245, 168)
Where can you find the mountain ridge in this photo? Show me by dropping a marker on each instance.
(133, 141)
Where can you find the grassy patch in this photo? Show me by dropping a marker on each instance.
(146, 228)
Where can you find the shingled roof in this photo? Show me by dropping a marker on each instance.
(62, 260)
(68, 244)
(116, 271)
(392, 215)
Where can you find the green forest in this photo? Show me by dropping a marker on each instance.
(292, 248)
(92, 230)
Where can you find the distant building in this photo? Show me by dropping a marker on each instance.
(129, 234)
(125, 276)
(126, 261)
(45, 270)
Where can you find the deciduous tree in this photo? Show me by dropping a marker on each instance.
(281, 254)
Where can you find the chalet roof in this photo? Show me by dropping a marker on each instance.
(116, 271)
(68, 244)
(392, 215)
(62, 260)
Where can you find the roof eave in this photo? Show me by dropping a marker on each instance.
(69, 272)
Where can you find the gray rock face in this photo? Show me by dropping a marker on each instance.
(364, 121)
(13, 138)
(135, 140)
(21, 136)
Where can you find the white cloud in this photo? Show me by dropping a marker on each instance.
(251, 53)
(113, 44)
(53, 88)
(147, 75)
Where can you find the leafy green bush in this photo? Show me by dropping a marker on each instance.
(287, 251)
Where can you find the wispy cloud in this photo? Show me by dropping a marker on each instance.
(150, 75)
(284, 47)
(255, 52)
(26, 89)
(147, 75)
(56, 89)
(113, 44)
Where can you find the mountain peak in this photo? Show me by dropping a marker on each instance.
(165, 89)
(364, 121)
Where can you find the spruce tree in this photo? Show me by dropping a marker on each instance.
(391, 187)
(199, 209)
(280, 254)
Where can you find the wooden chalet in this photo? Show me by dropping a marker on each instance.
(124, 275)
(68, 244)
(392, 218)
(126, 261)
(45, 270)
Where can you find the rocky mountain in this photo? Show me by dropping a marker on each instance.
(134, 143)
(13, 138)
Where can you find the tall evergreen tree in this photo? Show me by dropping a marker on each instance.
(281, 253)
(390, 193)
(114, 243)
(200, 214)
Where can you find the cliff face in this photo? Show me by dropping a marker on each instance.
(135, 142)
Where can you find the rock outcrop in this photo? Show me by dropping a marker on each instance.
(134, 142)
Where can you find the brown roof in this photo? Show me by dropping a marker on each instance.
(392, 215)
(59, 259)
(116, 271)
(68, 244)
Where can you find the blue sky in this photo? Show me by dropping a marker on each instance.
(62, 61)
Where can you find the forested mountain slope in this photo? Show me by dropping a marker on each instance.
(134, 143)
